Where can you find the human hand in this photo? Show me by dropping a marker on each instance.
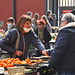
(45, 52)
(19, 53)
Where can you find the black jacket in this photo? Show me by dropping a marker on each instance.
(63, 55)
(51, 21)
(7, 28)
(9, 42)
(47, 36)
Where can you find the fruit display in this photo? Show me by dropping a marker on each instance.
(29, 64)
(9, 62)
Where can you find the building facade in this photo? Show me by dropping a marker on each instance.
(16, 8)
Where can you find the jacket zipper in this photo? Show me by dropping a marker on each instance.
(23, 46)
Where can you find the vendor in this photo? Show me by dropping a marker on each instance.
(27, 37)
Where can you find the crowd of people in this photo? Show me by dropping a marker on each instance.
(46, 22)
(35, 30)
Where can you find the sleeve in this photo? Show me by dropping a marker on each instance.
(36, 42)
(7, 43)
(60, 48)
(50, 51)
(5, 29)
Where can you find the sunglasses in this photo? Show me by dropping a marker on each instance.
(41, 23)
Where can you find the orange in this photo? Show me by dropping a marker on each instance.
(1, 64)
(29, 63)
(8, 58)
(4, 60)
(18, 62)
(12, 65)
(9, 65)
(27, 60)
(18, 59)
(39, 60)
(0, 61)
(4, 65)
(9, 62)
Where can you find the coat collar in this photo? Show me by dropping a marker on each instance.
(71, 24)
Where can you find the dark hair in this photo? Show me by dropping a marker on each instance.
(48, 12)
(54, 16)
(36, 16)
(22, 21)
(45, 18)
(29, 13)
(10, 19)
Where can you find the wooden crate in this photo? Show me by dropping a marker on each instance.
(16, 70)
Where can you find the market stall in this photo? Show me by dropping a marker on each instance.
(34, 66)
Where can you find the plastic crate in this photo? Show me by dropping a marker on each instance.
(46, 71)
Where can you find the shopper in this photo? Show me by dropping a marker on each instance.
(10, 24)
(49, 13)
(48, 25)
(29, 13)
(63, 55)
(27, 37)
(43, 33)
(34, 20)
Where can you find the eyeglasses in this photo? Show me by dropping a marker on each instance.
(28, 23)
(62, 21)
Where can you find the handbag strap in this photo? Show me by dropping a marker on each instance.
(17, 41)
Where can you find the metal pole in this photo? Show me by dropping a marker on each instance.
(14, 9)
(57, 12)
(52, 6)
(45, 6)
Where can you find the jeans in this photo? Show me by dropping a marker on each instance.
(67, 74)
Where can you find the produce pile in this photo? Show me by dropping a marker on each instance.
(9, 62)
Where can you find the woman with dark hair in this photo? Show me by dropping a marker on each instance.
(49, 13)
(51, 17)
(27, 37)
